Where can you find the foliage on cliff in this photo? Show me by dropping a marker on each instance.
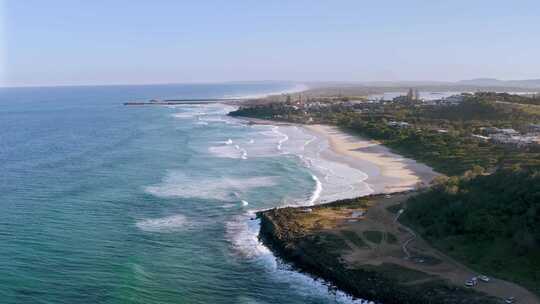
(490, 222)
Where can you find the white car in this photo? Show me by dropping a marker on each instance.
(484, 278)
(510, 300)
(469, 283)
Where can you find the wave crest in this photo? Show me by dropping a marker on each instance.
(177, 184)
(165, 224)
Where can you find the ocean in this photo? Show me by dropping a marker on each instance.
(104, 203)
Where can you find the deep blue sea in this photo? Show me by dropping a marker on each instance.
(104, 203)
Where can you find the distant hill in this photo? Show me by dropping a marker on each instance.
(492, 82)
(357, 88)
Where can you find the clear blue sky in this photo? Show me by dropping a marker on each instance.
(58, 42)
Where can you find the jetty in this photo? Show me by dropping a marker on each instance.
(188, 101)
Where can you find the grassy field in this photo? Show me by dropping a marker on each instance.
(354, 256)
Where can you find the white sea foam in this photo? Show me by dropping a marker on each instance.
(283, 138)
(165, 224)
(228, 151)
(206, 113)
(308, 142)
(331, 180)
(243, 232)
(317, 192)
(334, 180)
(243, 152)
(215, 119)
(178, 184)
(185, 115)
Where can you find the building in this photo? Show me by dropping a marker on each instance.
(514, 140)
(534, 128)
(452, 100)
(398, 124)
(490, 130)
(413, 95)
(509, 132)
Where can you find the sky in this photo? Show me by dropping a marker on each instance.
(80, 42)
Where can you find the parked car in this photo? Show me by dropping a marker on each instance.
(484, 278)
(510, 300)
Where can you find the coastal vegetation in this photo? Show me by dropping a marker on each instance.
(440, 136)
(490, 222)
(485, 210)
(319, 241)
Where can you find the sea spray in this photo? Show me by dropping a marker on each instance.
(165, 224)
(243, 233)
(179, 184)
(316, 192)
(142, 181)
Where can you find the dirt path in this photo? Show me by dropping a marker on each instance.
(411, 251)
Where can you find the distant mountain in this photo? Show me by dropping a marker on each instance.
(492, 82)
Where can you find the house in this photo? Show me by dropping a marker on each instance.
(452, 100)
(515, 140)
(510, 132)
(490, 130)
(534, 128)
(398, 124)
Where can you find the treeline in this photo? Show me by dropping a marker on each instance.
(506, 97)
(439, 136)
(490, 222)
(487, 213)
(448, 152)
(477, 111)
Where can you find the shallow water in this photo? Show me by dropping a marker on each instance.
(103, 203)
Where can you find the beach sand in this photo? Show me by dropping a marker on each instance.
(387, 171)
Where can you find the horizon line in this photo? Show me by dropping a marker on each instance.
(426, 82)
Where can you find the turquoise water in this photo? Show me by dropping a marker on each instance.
(103, 203)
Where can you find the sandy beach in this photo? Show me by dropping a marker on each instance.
(387, 171)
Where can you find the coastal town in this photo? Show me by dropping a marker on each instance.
(304, 109)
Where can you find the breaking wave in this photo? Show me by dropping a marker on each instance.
(165, 224)
(243, 231)
(177, 184)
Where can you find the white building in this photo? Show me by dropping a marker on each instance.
(399, 124)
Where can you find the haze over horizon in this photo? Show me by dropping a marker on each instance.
(62, 42)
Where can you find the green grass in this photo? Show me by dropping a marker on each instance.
(332, 242)
(373, 236)
(399, 273)
(497, 258)
(391, 239)
(355, 238)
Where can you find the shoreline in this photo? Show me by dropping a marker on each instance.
(392, 172)
(387, 171)
(391, 178)
(329, 242)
